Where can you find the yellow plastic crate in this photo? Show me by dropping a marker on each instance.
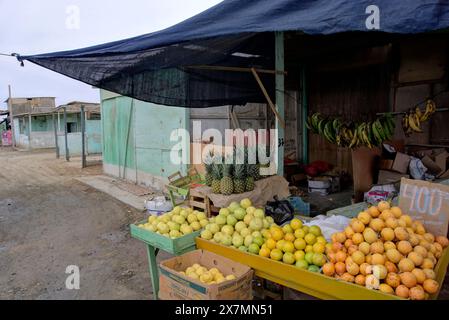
(314, 284)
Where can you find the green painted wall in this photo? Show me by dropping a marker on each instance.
(137, 134)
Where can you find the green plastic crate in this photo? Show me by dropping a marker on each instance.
(174, 246)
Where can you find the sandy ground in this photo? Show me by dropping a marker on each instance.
(49, 221)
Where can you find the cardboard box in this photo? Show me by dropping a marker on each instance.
(431, 165)
(175, 286)
(401, 162)
(441, 160)
(387, 177)
(386, 164)
(426, 202)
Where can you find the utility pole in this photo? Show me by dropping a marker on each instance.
(11, 118)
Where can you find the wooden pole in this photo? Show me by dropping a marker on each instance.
(267, 96)
(55, 127)
(11, 117)
(67, 156)
(29, 130)
(83, 135)
(236, 69)
(280, 100)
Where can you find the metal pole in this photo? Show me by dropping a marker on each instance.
(55, 124)
(11, 117)
(83, 134)
(67, 156)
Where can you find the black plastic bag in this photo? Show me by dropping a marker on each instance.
(280, 210)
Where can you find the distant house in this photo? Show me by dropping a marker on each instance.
(33, 125)
(35, 119)
(93, 128)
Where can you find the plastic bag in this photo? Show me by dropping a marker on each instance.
(380, 193)
(280, 210)
(417, 169)
(329, 225)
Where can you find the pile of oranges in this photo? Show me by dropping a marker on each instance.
(386, 250)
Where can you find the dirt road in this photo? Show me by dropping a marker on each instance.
(49, 221)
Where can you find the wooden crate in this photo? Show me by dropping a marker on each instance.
(199, 201)
(174, 246)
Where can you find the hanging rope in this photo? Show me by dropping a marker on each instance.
(14, 55)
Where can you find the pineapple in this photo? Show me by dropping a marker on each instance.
(249, 183)
(254, 171)
(239, 178)
(208, 164)
(226, 183)
(216, 177)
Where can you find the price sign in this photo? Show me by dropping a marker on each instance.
(427, 202)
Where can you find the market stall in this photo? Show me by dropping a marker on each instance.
(241, 52)
(386, 252)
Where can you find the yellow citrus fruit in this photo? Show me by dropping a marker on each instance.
(296, 224)
(309, 248)
(287, 229)
(288, 258)
(319, 247)
(300, 244)
(271, 243)
(299, 255)
(280, 244)
(264, 252)
(299, 233)
(310, 238)
(306, 229)
(276, 254)
(277, 234)
(288, 247)
(321, 239)
(266, 234)
(289, 237)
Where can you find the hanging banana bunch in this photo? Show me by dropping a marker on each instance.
(350, 134)
(412, 120)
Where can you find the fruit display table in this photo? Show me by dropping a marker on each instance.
(156, 242)
(314, 284)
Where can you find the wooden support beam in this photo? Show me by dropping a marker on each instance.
(67, 155)
(83, 137)
(55, 128)
(267, 96)
(235, 69)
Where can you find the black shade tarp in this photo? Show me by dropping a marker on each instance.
(156, 67)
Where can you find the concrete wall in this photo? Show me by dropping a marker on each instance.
(44, 139)
(136, 139)
(92, 140)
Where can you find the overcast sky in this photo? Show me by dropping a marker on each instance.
(41, 26)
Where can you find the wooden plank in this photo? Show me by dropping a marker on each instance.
(267, 96)
(235, 69)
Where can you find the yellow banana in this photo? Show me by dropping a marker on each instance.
(412, 123)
